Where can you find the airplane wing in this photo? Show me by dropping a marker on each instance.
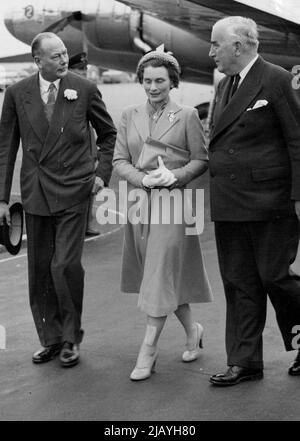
(278, 20)
(22, 58)
(182, 13)
(279, 15)
(274, 14)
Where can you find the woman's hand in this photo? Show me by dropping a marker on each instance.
(150, 181)
(163, 174)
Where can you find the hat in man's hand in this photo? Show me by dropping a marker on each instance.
(11, 235)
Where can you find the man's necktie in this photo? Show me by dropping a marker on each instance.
(234, 85)
(50, 102)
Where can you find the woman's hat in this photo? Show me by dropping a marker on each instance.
(11, 235)
(159, 54)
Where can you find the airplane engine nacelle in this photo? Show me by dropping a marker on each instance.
(117, 27)
(110, 28)
(191, 51)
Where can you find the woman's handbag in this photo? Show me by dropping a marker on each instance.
(173, 157)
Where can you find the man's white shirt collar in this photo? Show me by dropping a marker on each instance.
(246, 69)
(44, 86)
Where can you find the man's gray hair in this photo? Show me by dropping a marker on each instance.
(36, 42)
(243, 28)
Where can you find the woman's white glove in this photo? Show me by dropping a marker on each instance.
(163, 174)
(150, 181)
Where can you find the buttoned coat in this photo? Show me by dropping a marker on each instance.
(179, 126)
(160, 261)
(254, 153)
(58, 163)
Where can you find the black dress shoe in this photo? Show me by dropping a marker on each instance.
(295, 368)
(235, 375)
(46, 354)
(69, 355)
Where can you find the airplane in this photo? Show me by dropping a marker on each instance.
(114, 34)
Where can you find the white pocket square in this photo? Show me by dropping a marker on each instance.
(259, 103)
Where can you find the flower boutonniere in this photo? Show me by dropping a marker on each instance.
(171, 116)
(70, 94)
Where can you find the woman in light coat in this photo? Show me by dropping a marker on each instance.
(161, 262)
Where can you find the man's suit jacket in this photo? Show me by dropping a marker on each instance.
(179, 126)
(254, 155)
(58, 164)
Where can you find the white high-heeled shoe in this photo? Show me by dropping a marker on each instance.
(193, 354)
(145, 366)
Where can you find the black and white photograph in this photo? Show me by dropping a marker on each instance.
(149, 213)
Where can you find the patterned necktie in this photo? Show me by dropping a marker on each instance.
(234, 86)
(50, 102)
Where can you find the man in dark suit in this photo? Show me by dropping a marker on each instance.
(50, 112)
(254, 159)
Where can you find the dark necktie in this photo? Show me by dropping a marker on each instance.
(50, 102)
(234, 85)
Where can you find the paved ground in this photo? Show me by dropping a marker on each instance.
(99, 387)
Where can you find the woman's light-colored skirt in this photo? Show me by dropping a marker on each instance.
(162, 260)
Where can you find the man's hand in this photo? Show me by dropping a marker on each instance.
(297, 209)
(98, 185)
(163, 174)
(4, 213)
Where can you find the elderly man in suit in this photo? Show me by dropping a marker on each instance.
(254, 159)
(50, 112)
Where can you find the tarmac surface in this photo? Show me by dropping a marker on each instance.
(99, 389)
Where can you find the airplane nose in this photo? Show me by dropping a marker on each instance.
(9, 23)
(24, 20)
